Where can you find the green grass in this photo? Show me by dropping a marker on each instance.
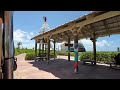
(17, 51)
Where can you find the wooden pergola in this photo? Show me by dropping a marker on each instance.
(93, 25)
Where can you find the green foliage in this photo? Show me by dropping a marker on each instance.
(52, 54)
(31, 55)
(62, 53)
(18, 44)
(101, 57)
(65, 53)
(71, 53)
(16, 52)
(19, 51)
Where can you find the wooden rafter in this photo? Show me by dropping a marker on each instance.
(98, 22)
(88, 30)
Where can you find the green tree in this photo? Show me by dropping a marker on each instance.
(22, 47)
(19, 44)
(118, 49)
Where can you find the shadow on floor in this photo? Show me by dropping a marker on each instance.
(63, 69)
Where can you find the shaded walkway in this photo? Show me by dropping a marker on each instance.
(61, 68)
(26, 70)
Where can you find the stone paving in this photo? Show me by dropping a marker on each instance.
(60, 68)
(25, 70)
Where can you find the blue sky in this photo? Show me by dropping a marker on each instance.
(27, 24)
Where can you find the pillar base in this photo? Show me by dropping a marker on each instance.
(76, 70)
(48, 62)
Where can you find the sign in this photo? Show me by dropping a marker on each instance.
(66, 44)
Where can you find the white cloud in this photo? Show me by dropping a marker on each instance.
(31, 33)
(28, 37)
(86, 42)
(98, 43)
(19, 35)
(29, 45)
(102, 43)
(22, 36)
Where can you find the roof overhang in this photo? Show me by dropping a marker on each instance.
(103, 23)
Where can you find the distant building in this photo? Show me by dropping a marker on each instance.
(65, 48)
(45, 27)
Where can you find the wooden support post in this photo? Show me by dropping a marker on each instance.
(45, 51)
(94, 48)
(68, 48)
(48, 50)
(1, 33)
(39, 49)
(8, 49)
(54, 48)
(42, 48)
(76, 53)
(35, 48)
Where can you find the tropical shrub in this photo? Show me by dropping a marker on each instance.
(65, 53)
(19, 51)
(31, 55)
(101, 57)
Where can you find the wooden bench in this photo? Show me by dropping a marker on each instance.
(88, 60)
(114, 65)
(40, 58)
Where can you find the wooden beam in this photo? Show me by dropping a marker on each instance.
(83, 32)
(1, 41)
(62, 37)
(39, 49)
(8, 45)
(79, 29)
(99, 18)
(66, 34)
(68, 48)
(36, 48)
(79, 24)
(42, 49)
(48, 50)
(94, 47)
(55, 37)
(88, 30)
(111, 31)
(54, 48)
